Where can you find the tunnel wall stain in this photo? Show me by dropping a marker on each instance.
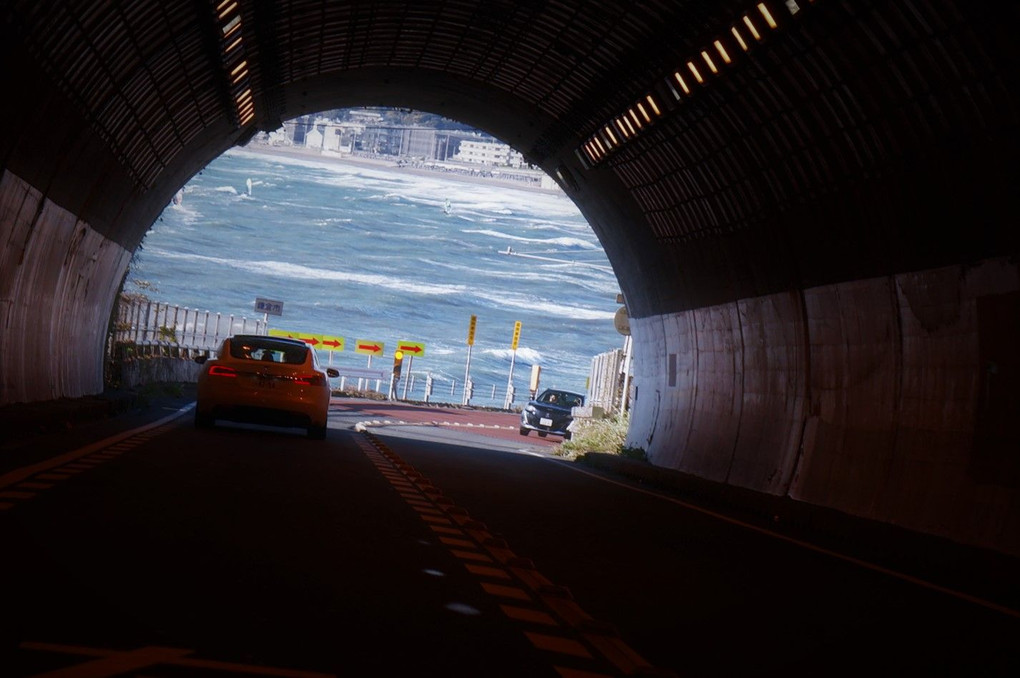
(867, 397)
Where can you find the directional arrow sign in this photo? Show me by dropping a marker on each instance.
(323, 342)
(368, 347)
(412, 348)
(332, 343)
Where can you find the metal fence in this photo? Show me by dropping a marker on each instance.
(152, 327)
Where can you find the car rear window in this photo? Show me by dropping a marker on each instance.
(268, 351)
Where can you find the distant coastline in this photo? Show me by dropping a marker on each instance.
(393, 164)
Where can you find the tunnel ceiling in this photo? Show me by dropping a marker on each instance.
(720, 150)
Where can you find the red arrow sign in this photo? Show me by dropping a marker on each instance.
(312, 340)
(334, 343)
(409, 348)
(375, 348)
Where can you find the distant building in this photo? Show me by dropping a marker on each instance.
(365, 132)
(489, 152)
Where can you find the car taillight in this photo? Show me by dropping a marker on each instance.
(315, 379)
(220, 371)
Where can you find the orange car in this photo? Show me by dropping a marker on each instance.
(264, 380)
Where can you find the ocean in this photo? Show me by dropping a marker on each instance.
(379, 254)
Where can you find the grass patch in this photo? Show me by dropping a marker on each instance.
(601, 435)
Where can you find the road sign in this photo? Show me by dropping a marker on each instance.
(330, 343)
(471, 330)
(413, 349)
(369, 347)
(517, 335)
(268, 306)
(325, 342)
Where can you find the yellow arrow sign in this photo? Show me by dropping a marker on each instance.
(412, 348)
(517, 335)
(325, 342)
(471, 330)
(369, 347)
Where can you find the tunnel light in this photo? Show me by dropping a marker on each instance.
(739, 38)
(628, 129)
(682, 83)
(226, 7)
(723, 54)
(628, 123)
(709, 62)
(651, 102)
(750, 26)
(694, 70)
(767, 14)
(235, 63)
(634, 117)
(234, 45)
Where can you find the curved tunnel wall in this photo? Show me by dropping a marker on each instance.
(868, 397)
(818, 249)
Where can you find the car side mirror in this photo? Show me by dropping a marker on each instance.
(200, 359)
(332, 372)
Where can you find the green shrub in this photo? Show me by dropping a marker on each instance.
(600, 435)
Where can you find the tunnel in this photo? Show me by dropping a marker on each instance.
(809, 205)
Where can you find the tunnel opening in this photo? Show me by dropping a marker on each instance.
(377, 236)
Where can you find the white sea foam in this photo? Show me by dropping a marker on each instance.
(524, 354)
(301, 272)
(557, 242)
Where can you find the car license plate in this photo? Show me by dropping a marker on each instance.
(545, 422)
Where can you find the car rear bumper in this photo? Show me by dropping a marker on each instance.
(252, 408)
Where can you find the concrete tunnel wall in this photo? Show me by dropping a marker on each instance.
(887, 396)
(58, 282)
(862, 397)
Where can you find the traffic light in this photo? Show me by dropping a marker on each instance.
(398, 362)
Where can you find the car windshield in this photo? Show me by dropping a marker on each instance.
(562, 398)
(267, 350)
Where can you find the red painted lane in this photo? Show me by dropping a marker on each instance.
(495, 424)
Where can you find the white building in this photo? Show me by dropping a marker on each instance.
(488, 153)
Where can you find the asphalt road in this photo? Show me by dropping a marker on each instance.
(417, 541)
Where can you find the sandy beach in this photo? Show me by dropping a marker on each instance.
(391, 163)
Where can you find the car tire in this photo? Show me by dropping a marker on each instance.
(542, 434)
(566, 436)
(317, 432)
(203, 420)
(524, 431)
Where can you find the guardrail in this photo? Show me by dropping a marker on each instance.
(153, 327)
